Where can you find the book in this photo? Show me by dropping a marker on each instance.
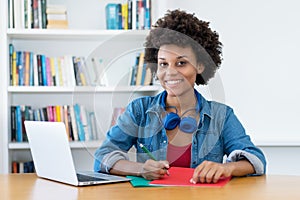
(44, 70)
(125, 16)
(35, 14)
(180, 176)
(81, 134)
(20, 67)
(48, 72)
(148, 77)
(134, 70)
(129, 15)
(52, 70)
(140, 69)
(15, 78)
(84, 121)
(93, 123)
(66, 118)
(13, 123)
(147, 14)
(31, 69)
(57, 17)
(112, 16)
(73, 123)
(19, 134)
(56, 9)
(11, 51)
(18, 14)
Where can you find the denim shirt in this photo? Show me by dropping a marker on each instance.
(219, 134)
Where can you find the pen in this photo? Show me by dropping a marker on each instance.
(151, 156)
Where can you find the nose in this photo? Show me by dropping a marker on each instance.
(170, 70)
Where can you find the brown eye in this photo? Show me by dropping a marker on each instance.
(163, 64)
(181, 63)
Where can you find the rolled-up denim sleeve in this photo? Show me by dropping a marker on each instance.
(238, 144)
(119, 139)
(254, 160)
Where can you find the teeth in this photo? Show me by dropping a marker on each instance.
(173, 82)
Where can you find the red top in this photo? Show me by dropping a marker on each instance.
(179, 156)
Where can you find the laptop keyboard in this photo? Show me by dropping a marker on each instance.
(84, 178)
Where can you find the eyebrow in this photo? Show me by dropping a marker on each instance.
(178, 57)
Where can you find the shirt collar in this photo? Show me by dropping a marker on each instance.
(203, 105)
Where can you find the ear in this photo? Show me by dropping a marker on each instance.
(200, 68)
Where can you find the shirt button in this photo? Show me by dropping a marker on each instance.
(194, 162)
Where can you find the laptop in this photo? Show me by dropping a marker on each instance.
(52, 156)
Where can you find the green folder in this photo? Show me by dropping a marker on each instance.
(139, 182)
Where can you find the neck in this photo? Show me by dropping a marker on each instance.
(182, 102)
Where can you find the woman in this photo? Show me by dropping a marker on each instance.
(178, 126)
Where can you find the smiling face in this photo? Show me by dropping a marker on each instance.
(177, 69)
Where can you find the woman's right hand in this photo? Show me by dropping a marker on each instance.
(152, 169)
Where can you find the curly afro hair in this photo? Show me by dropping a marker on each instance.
(185, 30)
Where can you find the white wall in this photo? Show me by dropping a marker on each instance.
(259, 72)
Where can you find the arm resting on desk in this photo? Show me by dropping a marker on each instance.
(255, 161)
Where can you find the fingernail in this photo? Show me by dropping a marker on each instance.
(192, 181)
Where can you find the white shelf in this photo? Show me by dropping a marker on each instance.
(73, 34)
(73, 145)
(80, 89)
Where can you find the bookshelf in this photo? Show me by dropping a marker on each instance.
(118, 47)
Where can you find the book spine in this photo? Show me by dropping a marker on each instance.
(93, 125)
(147, 14)
(129, 19)
(58, 113)
(141, 15)
(84, 121)
(44, 70)
(11, 13)
(65, 114)
(35, 14)
(43, 13)
(71, 135)
(140, 69)
(76, 71)
(15, 79)
(11, 51)
(125, 16)
(81, 133)
(74, 124)
(29, 14)
(26, 67)
(112, 18)
(13, 123)
(57, 72)
(40, 13)
(120, 18)
(49, 72)
(31, 69)
(19, 135)
(20, 64)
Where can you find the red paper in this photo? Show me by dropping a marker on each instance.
(180, 176)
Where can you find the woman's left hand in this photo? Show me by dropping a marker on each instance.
(211, 172)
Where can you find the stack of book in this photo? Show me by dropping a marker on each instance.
(140, 74)
(27, 14)
(80, 123)
(134, 14)
(31, 69)
(57, 17)
(22, 167)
